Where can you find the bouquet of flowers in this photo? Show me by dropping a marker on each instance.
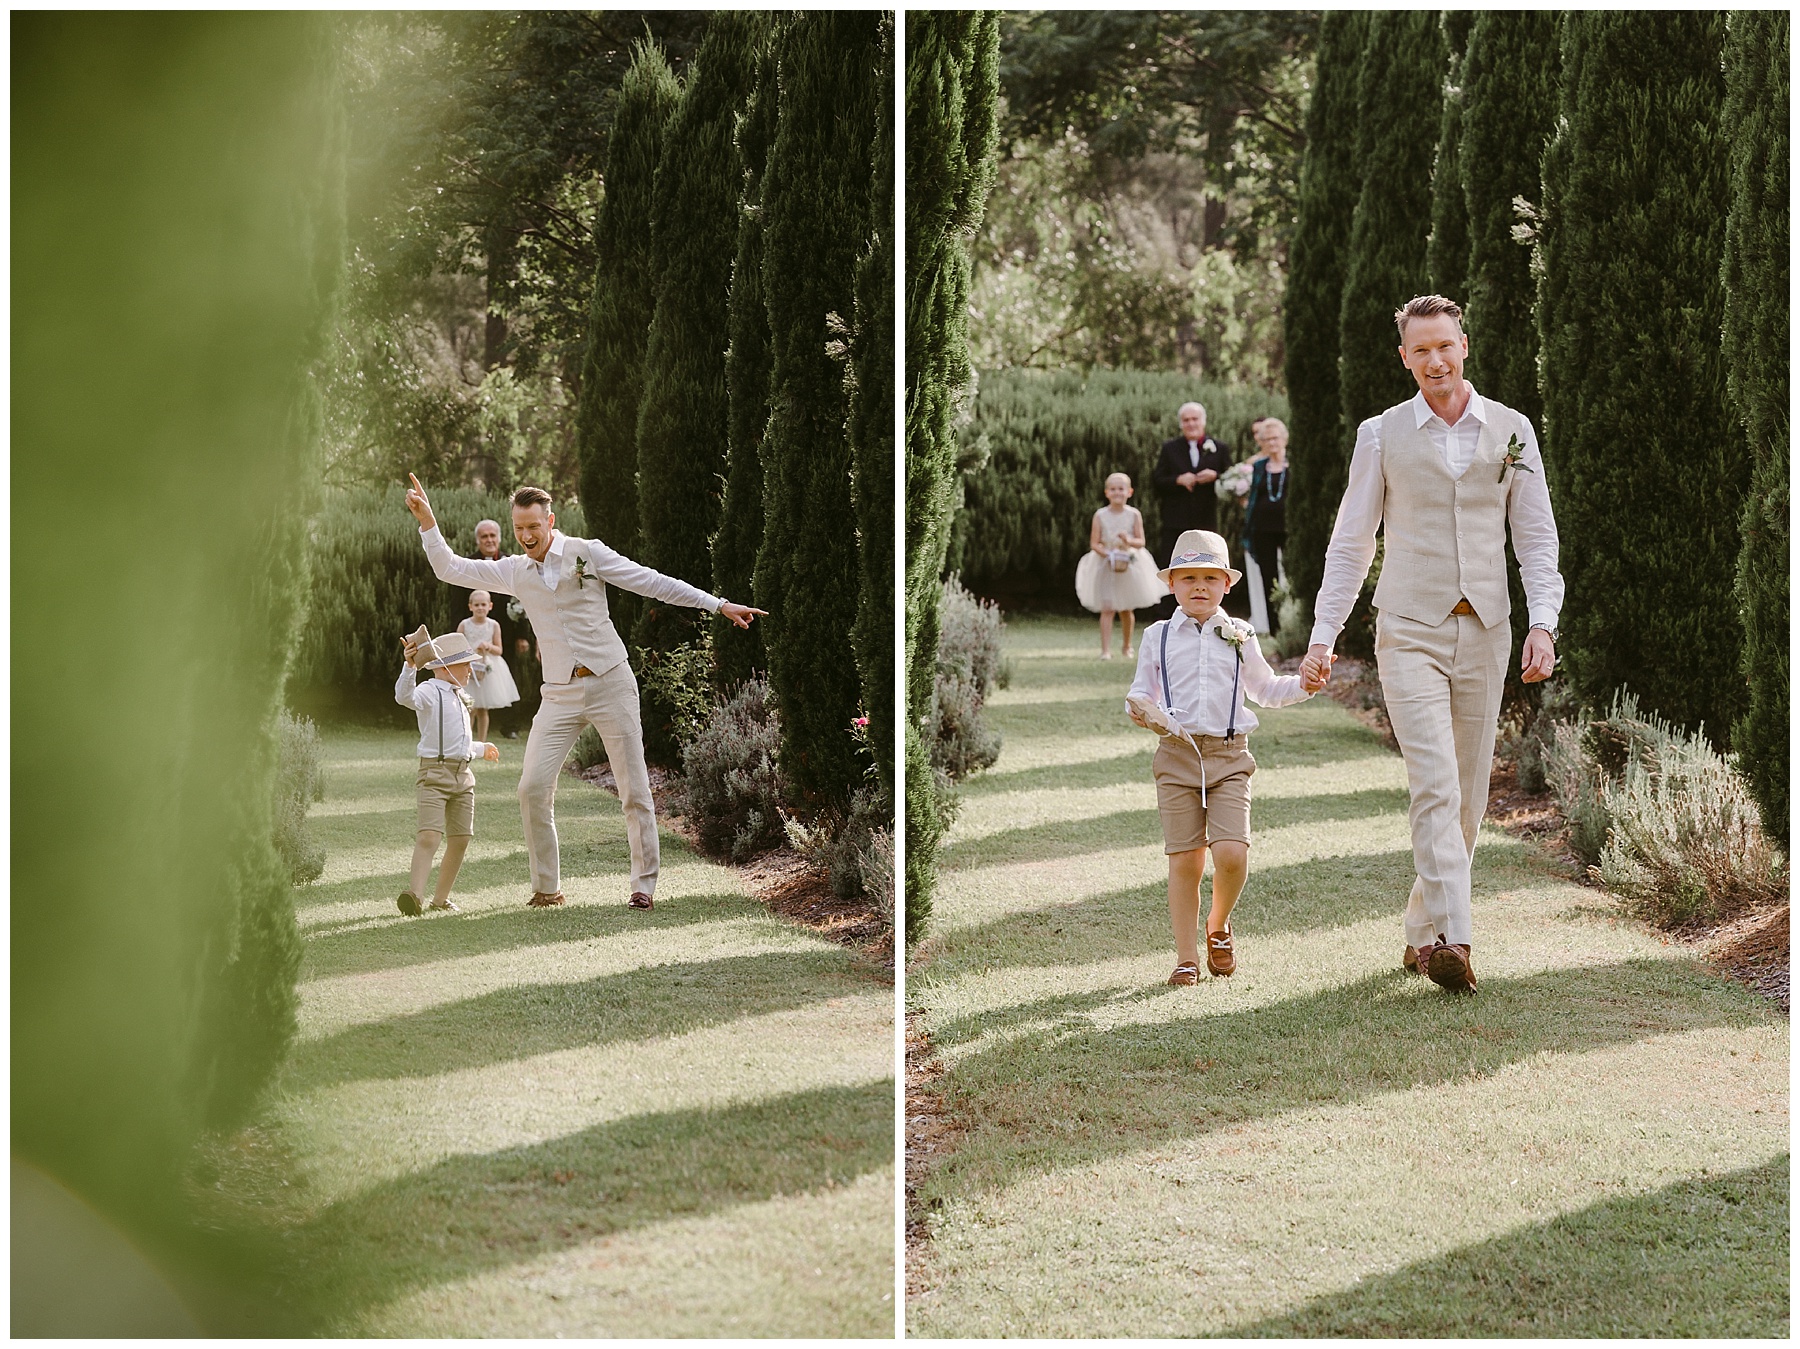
(1234, 483)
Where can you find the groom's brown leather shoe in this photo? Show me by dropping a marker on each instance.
(539, 900)
(640, 900)
(1410, 962)
(1449, 968)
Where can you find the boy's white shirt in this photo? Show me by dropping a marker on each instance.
(568, 615)
(1201, 669)
(444, 730)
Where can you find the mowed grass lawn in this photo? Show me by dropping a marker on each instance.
(1595, 1144)
(580, 1121)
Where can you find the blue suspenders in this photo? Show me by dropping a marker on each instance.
(1237, 672)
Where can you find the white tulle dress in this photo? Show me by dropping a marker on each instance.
(492, 684)
(1099, 587)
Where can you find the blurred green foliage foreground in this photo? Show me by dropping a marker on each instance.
(176, 227)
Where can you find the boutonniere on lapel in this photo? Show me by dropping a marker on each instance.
(583, 575)
(1235, 635)
(1514, 458)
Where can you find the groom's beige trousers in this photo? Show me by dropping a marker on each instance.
(1443, 685)
(609, 703)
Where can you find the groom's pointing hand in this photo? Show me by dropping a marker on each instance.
(419, 504)
(741, 614)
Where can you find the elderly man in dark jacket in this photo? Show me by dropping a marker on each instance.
(1185, 471)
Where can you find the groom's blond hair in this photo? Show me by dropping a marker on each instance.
(1424, 307)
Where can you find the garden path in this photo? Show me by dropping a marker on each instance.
(1594, 1144)
(588, 1120)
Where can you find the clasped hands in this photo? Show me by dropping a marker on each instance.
(1193, 480)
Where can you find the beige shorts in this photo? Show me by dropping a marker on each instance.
(1225, 818)
(447, 798)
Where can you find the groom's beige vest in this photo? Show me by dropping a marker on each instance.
(1445, 537)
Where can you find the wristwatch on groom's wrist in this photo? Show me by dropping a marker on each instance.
(1555, 636)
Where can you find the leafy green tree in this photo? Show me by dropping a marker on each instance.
(682, 417)
(816, 224)
(952, 89)
(177, 187)
(739, 651)
(1318, 256)
(1646, 465)
(624, 300)
(1402, 73)
(1447, 251)
(1756, 344)
(872, 439)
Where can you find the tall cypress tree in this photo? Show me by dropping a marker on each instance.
(740, 650)
(683, 415)
(1510, 93)
(612, 373)
(872, 436)
(1315, 293)
(1402, 76)
(177, 185)
(815, 225)
(1756, 355)
(1510, 82)
(1447, 251)
(952, 93)
(1647, 465)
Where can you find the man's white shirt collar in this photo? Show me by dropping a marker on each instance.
(1423, 412)
(551, 566)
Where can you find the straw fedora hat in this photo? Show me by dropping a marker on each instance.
(452, 649)
(1200, 549)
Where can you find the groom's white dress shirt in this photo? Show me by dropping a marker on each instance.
(444, 731)
(1201, 669)
(1352, 546)
(564, 597)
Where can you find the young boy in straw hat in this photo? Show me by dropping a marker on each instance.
(446, 747)
(1192, 674)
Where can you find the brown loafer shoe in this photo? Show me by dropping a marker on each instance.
(1219, 958)
(539, 900)
(640, 900)
(444, 906)
(1410, 962)
(409, 904)
(1186, 975)
(1449, 968)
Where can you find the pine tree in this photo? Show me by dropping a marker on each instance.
(952, 92)
(1314, 298)
(1447, 251)
(1646, 465)
(1402, 74)
(815, 224)
(740, 651)
(872, 438)
(1756, 346)
(683, 414)
(154, 966)
(612, 372)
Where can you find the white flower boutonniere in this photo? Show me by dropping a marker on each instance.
(1235, 635)
(1515, 455)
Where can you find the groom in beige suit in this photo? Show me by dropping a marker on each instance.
(1445, 475)
(561, 582)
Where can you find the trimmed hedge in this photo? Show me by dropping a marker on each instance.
(371, 585)
(1051, 439)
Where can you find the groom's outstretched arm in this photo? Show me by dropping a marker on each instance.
(477, 573)
(615, 568)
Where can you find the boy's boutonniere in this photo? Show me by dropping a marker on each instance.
(1237, 636)
(1515, 454)
(583, 575)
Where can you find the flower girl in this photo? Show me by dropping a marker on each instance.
(492, 685)
(1117, 574)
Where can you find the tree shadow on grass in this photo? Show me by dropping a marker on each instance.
(1324, 894)
(1705, 1258)
(446, 937)
(1049, 1099)
(1108, 772)
(1096, 833)
(470, 1214)
(523, 1021)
